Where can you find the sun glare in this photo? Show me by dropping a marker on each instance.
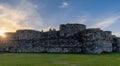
(2, 33)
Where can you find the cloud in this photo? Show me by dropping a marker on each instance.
(64, 5)
(24, 15)
(81, 20)
(106, 22)
(117, 34)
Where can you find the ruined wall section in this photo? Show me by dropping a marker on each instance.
(56, 45)
(71, 29)
(71, 38)
(10, 36)
(96, 41)
(116, 44)
(6, 40)
(32, 34)
(27, 34)
(106, 39)
(51, 34)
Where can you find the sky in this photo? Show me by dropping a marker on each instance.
(46, 14)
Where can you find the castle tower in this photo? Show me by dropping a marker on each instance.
(70, 29)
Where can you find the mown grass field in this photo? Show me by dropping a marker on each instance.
(38, 59)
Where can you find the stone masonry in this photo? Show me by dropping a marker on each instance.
(70, 38)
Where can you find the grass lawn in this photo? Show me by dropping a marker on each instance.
(38, 59)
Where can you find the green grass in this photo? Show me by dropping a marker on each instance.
(38, 59)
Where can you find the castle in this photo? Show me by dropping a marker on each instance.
(70, 38)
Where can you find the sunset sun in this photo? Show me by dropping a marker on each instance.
(2, 33)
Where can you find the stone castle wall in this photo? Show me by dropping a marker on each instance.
(55, 45)
(71, 38)
(71, 29)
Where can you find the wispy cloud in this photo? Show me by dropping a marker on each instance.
(117, 34)
(22, 16)
(81, 20)
(106, 22)
(64, 5)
